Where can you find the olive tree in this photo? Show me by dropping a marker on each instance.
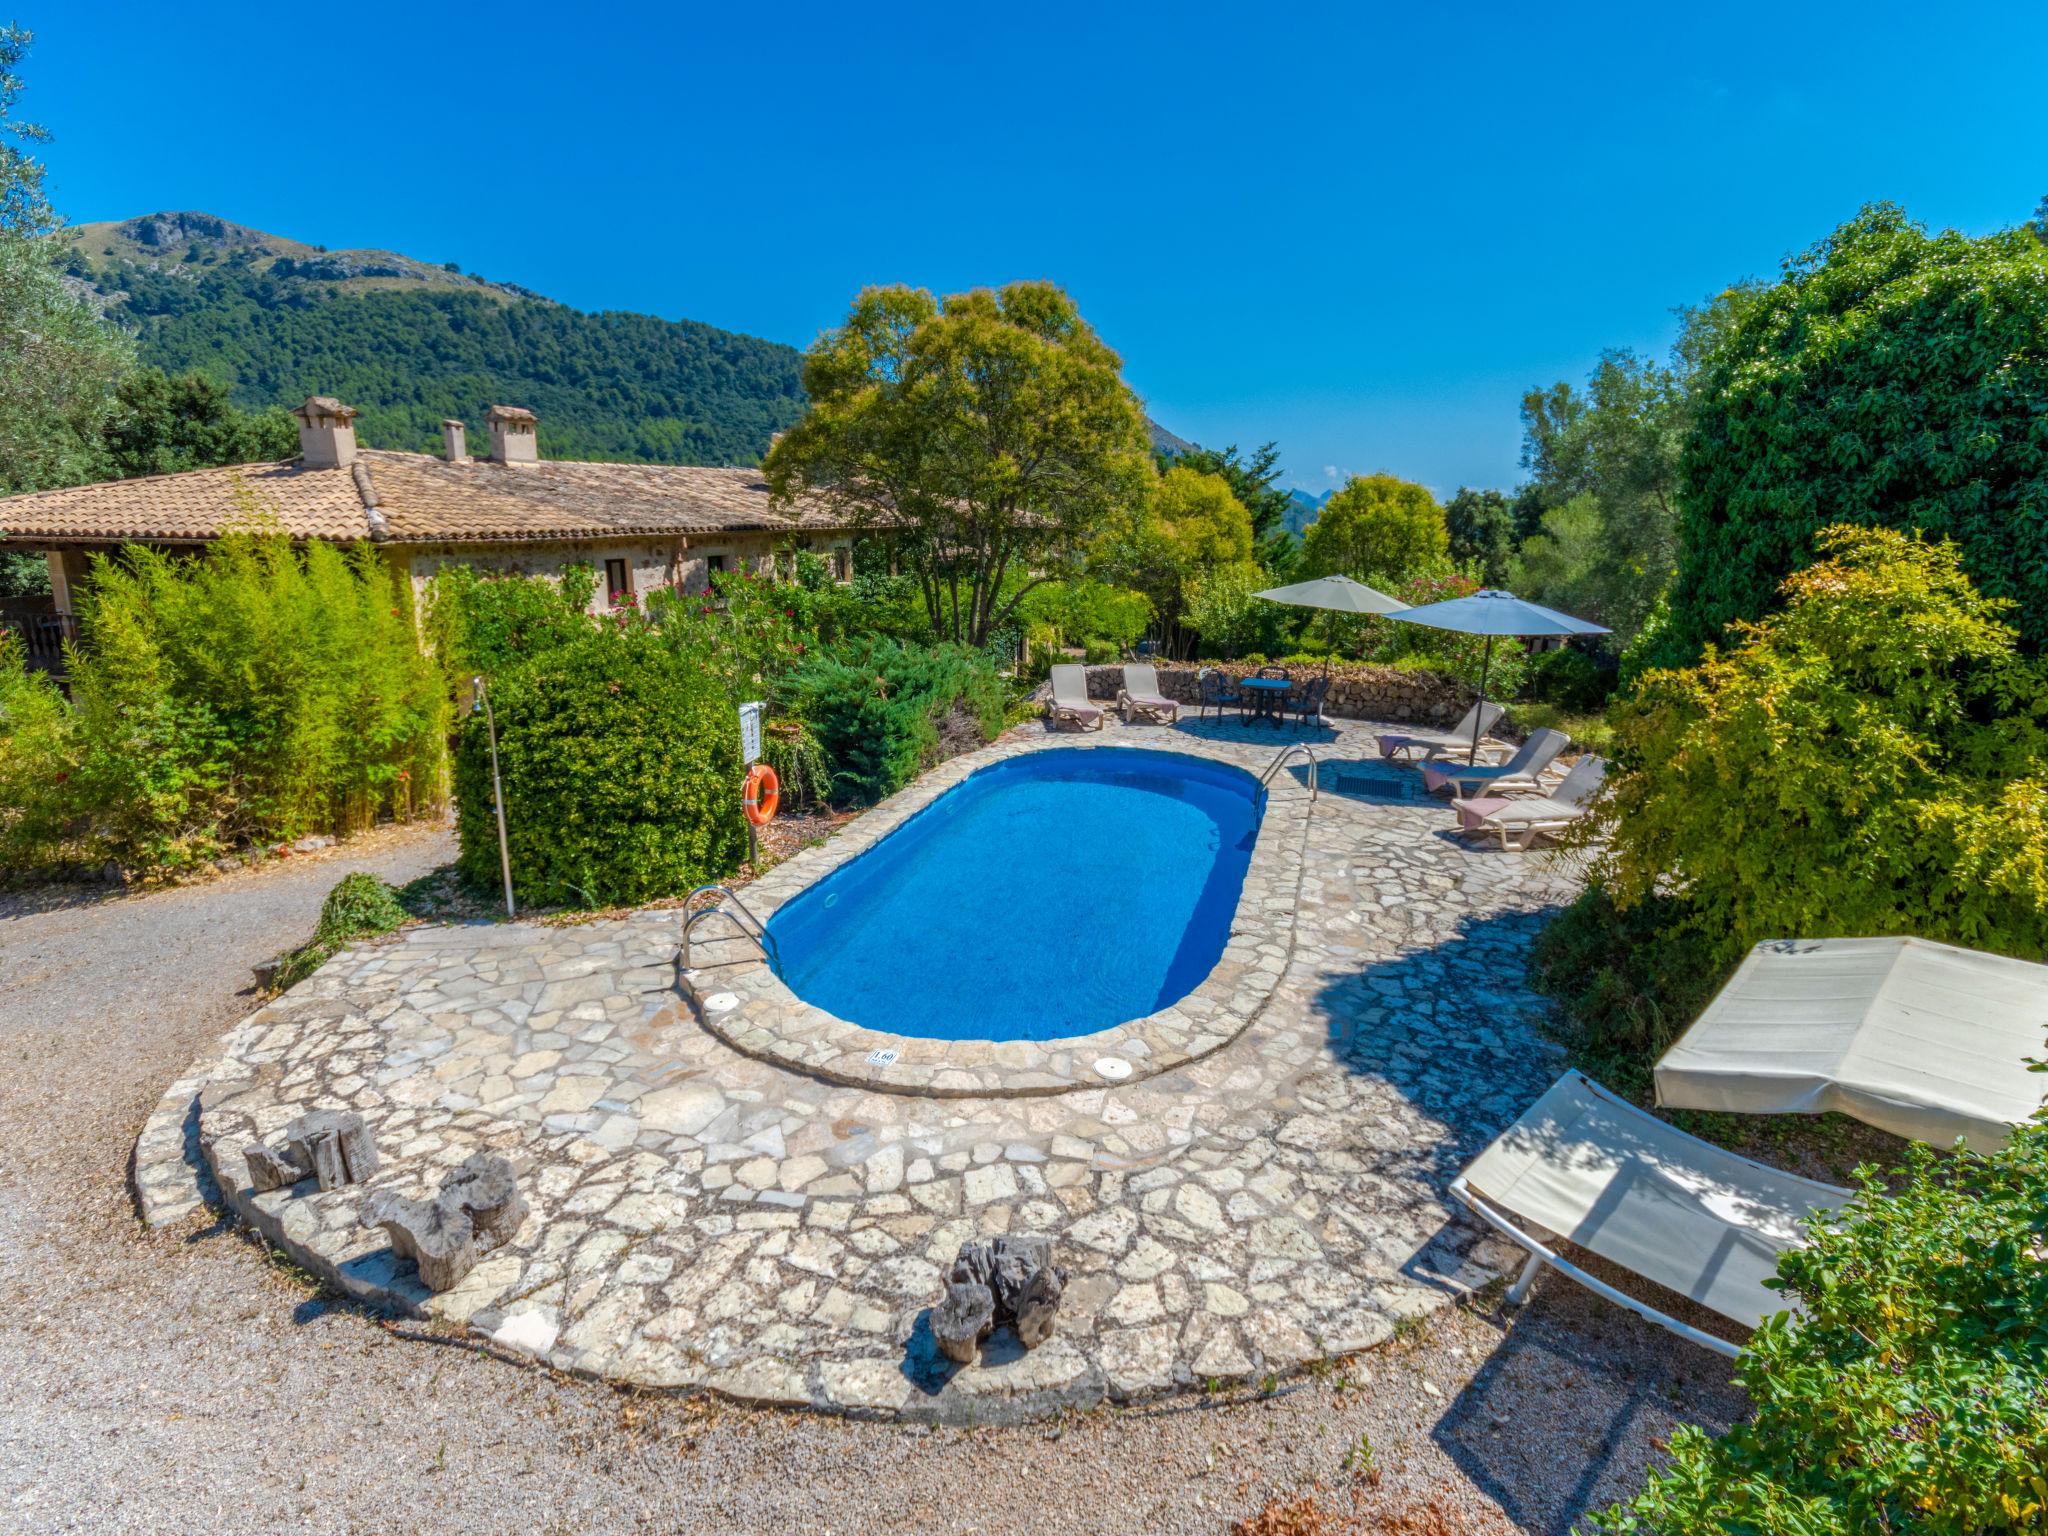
(990, 433)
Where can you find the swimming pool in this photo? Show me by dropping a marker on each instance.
(1058, 893)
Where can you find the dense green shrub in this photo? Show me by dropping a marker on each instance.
(1571, 679)
(481, 624)
(1869, 760)
(38, 757)
(360, 906)
(251, 694)
(621, 769)
(1910, 1393)
(802, 775)
(877, 706)
(1097, 652)
(1627, 982)
(1892, 379)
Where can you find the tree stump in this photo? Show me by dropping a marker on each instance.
(478, 1209)
(1010, 1280)
(332, 1145)
(963, 1319)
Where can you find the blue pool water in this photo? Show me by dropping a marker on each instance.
(1058, 893)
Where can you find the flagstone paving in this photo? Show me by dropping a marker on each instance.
(704, 1217)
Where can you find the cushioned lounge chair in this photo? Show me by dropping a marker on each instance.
(1518, 775)
(1424, 745)
(1551, 813)
(1069, 702)
(1140, 697)
(1620, 1183)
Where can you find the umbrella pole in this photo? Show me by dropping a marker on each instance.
(1485, 666)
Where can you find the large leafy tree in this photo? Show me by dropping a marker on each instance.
(1892, 378)
(58, 361)
(1190, 525)
(1481, 528)
(991, 433)
(161, 425)
(1376, 526)
(1254, 479)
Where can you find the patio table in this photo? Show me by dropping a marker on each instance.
(1268, 697)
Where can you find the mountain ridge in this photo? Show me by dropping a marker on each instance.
(409, 343)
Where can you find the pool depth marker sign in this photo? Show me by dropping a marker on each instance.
(750, 732)
(750, 754)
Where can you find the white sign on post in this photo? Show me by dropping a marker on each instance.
(750, 732)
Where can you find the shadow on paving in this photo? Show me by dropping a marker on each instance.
(1544, 1429)
(1228, 728)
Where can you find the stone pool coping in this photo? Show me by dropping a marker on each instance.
(738, 997)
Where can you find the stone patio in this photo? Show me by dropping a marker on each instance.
(702, 1217)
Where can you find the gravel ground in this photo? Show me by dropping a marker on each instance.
(186, 1381)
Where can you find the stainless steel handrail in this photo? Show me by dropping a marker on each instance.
(763, 940)
(1280, 759)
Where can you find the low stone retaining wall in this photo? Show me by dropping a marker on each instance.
(1357, 691)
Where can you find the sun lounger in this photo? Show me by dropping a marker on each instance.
(1518, 775)
(1551, 813)
(1423, 745)
(1620, 1183)
(1069, 702)
(1141, 696)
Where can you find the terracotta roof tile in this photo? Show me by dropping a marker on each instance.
(422, 499)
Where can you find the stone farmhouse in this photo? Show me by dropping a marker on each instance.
(640, 526)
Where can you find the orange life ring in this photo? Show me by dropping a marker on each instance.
(763, 793)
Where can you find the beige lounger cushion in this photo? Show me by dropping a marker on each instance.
(1925, 1040)
(1659, 1203)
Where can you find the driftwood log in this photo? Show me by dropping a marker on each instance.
(1010, 1280)
(478, 1209)
(331, 1145)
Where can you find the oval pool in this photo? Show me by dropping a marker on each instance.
(1057, 893)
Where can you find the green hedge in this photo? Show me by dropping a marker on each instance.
(1910, 1393)
(875, 707)
(621, 768)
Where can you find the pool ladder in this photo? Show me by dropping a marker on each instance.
(1280, 760)
(753, 928)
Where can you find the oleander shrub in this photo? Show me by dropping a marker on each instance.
(620, 762)
(878, 706)
(253, 693)
(360, 906)
(1910, 1392)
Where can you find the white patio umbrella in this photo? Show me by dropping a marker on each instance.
(1924, 1040)
(1492, 613)
(1334, 594)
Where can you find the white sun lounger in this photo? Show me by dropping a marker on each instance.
(1141, 696)
(1518, 775)
(1424, 746)
(1551, 813)
(1641, 1194)
(1069, 702)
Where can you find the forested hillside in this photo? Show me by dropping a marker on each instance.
(408, 344)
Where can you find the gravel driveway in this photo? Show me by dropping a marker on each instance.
(184, 1381)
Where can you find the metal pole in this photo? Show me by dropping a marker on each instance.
(1485, 666)
(497, 796)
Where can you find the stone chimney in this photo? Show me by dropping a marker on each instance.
(454, 443)
(327, 434)
(513, 436)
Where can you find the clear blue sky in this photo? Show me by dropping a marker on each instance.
(1361, 231)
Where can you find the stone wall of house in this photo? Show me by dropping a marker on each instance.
(678, 562)
(1357, 691)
